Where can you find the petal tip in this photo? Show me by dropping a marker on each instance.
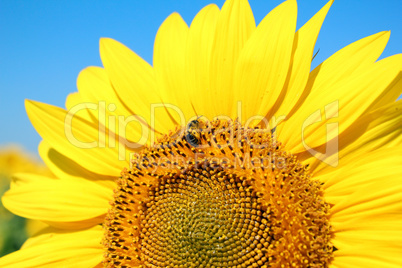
(105, 42)
(29, 104)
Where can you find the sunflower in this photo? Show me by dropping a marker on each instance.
(227, 152)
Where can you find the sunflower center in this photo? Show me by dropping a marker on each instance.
(217, 195)
(204, 218)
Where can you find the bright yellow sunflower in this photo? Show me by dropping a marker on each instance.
(228, 152)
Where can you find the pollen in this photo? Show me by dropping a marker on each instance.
(217, 195)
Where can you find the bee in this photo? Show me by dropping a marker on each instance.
(193, 132)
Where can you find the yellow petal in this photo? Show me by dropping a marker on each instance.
(347, 62)
(57, 200)
(382, 129)
(390, 95)
(234, 27)
(65, 168)
(76, 138)
(134, 82)
(378, 129)
(105, 107)
(365, 256)
(376, 233)
(337, 68)
(74, 99)
(33, 227)
(57, 248)
(369, 232)
(362, 171)
(264, 61)
(303, 49)
(94, 85)
(341, 102)
(169, 67)
(198, 55)
(382, 198)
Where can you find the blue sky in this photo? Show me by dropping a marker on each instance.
(44, 44)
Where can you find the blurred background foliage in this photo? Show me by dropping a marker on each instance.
(14, 230)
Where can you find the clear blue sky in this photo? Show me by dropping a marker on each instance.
(44, 44)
